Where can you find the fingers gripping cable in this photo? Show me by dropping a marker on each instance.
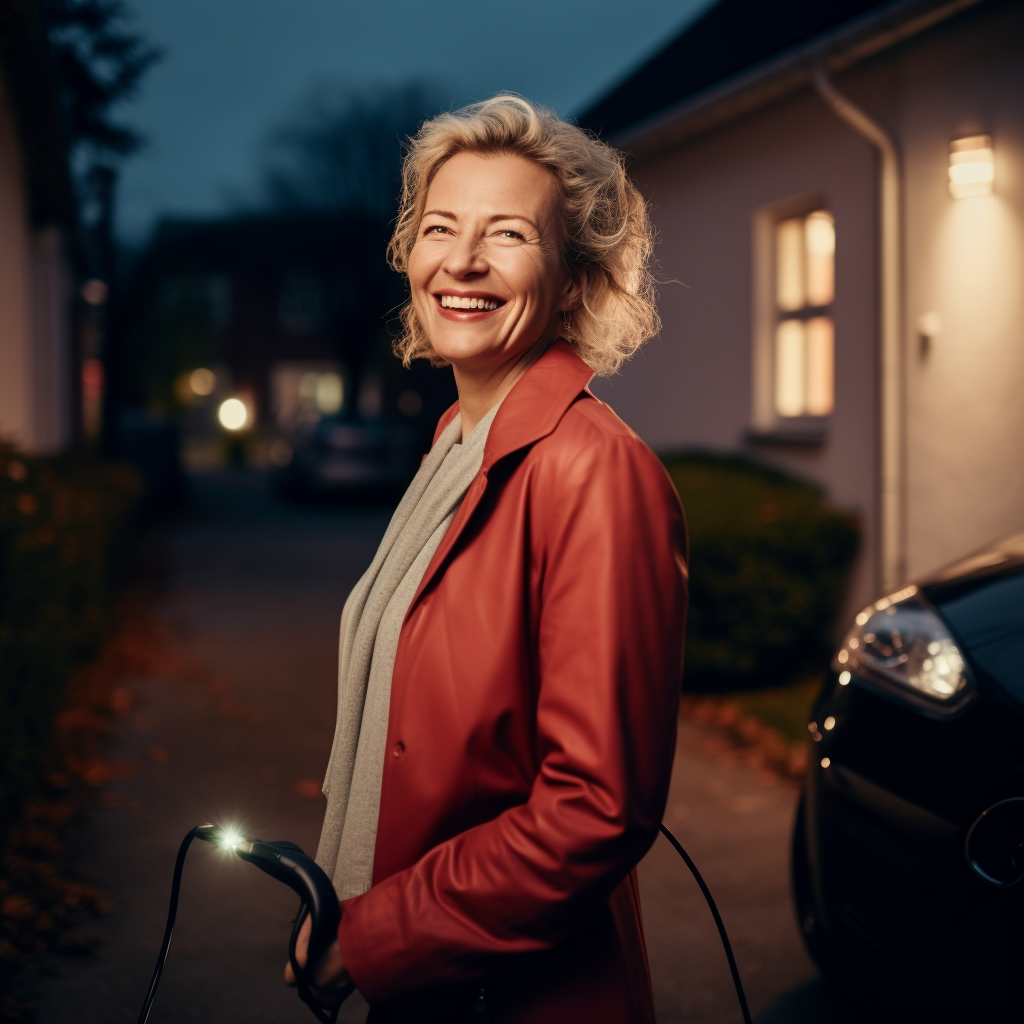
(289, 864)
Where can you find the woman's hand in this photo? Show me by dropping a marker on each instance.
(330, 971)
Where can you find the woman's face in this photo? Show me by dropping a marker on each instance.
(485, 273)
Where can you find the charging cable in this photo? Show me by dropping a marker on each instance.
(289, 864)
(718, 920)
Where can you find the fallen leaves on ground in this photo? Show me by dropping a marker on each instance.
(759, 744)
(42, 905)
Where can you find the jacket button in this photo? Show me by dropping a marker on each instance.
(398, 749)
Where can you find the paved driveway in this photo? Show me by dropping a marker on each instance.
(239, 729)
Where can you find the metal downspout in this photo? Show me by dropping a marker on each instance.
(892, 558)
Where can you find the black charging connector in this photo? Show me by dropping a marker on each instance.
(289, 864)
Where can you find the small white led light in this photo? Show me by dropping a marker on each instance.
(825, 762)
(230, 839)
(844, 678)
(830, 723)
(971, 166)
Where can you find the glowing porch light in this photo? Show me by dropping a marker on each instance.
(233, 414)
(972, 167)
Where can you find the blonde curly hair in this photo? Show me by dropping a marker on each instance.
(607, 240)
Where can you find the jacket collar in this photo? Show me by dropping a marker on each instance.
(533, 408)
(530, 411)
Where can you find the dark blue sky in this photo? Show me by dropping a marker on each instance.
(234, 67)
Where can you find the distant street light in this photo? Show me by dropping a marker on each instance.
(233, 414)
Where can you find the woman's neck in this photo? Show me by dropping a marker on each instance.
(481, 390)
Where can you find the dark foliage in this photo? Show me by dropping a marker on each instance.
(99, 63)
(770, 561)
(64, 535)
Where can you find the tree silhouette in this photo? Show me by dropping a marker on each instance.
(342, 150)
(99, 62)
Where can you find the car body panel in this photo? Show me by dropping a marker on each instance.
(882, 883)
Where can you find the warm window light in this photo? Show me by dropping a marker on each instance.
(804, 371)
(971, 166)
(233, 414)
(202, 381)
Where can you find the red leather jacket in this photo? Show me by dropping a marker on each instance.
(532, 728)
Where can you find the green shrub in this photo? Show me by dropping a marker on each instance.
(65, 529)
(769, 568)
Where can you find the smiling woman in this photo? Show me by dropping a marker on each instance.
(597, 229)
(510, 662)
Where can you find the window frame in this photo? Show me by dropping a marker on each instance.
(767, 425)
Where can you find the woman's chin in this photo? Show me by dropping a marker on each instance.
(469, 352)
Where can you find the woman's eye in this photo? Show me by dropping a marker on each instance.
(509, 233)
(435, 229)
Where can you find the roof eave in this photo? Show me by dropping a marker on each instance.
(785, 74)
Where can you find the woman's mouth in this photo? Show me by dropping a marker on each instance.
(461, 305)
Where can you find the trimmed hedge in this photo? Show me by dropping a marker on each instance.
(769, 568)
(65, 529)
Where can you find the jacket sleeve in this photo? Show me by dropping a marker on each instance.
(608, 548)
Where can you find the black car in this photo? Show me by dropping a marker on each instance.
(909, 840)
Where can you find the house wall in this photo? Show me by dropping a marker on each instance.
(964, 259)
(16, 371)
(35, 304)
(691, 387)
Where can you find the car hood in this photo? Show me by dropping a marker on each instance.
(981, 598)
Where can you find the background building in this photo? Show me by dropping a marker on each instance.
(839, 195)
(286, 312)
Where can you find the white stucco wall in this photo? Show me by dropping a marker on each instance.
(16, 371)
(36, 377)
(963, 259)
(691, 388)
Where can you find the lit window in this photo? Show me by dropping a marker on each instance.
(804, 343)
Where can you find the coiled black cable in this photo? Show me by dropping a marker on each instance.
(718, 920)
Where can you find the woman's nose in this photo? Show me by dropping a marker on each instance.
(466, 258)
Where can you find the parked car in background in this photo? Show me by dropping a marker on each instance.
(909, 841)
(346, 457)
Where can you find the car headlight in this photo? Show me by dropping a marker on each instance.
(901, 640)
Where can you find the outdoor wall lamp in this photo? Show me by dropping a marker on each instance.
(971, 166)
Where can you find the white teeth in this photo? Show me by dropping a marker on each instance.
(464, 302)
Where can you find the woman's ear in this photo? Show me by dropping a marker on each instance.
(572, 292)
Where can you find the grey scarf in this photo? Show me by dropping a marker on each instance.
(370, 627)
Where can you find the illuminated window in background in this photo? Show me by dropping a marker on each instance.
(804, 362)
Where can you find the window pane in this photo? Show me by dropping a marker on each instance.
(789, 368)
(820, 236)
(820, 366)
(789, 264)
